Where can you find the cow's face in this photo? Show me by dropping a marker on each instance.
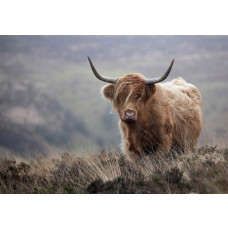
(129, 96)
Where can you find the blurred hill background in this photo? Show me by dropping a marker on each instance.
(49, 98)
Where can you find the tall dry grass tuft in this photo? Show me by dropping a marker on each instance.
(203, 171)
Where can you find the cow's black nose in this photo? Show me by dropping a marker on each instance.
(130, 113)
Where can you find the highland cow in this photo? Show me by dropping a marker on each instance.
(154, 116)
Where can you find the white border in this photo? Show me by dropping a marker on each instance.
(119, 17)
(113, 18)
(113, 211)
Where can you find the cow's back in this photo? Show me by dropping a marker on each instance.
(190, 90)
(185, 104)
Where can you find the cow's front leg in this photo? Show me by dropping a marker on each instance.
(134, 153)
(166, 138)
(165, 145)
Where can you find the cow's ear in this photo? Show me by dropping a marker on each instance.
(149, 91)
(108, 91)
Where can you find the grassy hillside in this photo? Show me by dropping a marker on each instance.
(204, 171)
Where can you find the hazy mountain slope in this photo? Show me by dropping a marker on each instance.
(58, 67)
(31, 121)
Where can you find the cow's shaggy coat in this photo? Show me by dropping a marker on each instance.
(157, 117)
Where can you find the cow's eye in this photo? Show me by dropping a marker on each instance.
(137, 96)
(118, 99)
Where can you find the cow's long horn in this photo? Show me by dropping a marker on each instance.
(160, 79)
(102, 78)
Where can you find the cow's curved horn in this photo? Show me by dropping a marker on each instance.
(100, 77)
(160, 79)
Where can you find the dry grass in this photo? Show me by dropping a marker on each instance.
(204, 171)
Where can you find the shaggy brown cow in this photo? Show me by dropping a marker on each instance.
(154, 116)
